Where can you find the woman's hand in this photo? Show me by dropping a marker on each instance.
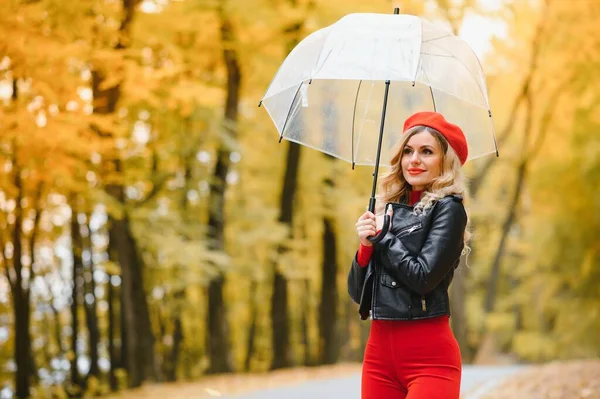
(366, 226)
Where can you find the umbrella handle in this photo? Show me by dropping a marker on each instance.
(384, 229)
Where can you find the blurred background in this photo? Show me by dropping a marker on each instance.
(152, 228)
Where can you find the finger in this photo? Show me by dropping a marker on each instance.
(366, 222)
(366, 215)
(371, 226)
(365, 228)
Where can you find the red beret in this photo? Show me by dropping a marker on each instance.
(451, 132)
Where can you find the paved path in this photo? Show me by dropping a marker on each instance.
(476, 380)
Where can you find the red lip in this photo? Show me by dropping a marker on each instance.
(415, 171)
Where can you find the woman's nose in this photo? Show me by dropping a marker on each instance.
(415, 158)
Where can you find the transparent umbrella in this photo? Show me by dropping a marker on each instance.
(346, 89)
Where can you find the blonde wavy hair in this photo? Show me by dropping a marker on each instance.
(394, 188)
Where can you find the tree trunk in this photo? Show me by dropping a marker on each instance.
(279, 313)
(76, 292)
(525, 94)
(305, 327)
(21, 298)
(488, 348)
(458, 291)
(139, 337)
(90, 305)
(37, 201)
(218, 329)
(112, 378)
(280, 323)
(124, 350)
(517, 308)
(180, 295)
(218, 335)
(176, 349)
(328, 317)
(329, 348)
(253, 326)
(47, 351)
(22, 340)
(531, 150)
(490, 299)
(279, 299)
(58, 331)
(19, 289)
(174, 356)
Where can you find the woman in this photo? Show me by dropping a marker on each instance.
(401, 283)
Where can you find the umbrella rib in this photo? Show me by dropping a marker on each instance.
(364, 115)
(322, 64)
(432, 99)
(333, 154)
(430, 91)
(354, 119)
(468, 72)
(437, 38)
(290, 111)
(439, 55)
(419, 54)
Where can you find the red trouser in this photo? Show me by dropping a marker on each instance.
(416, 359)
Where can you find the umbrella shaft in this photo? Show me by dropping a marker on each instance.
(375, 173)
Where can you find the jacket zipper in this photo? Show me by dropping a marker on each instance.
(423, 304)
(410, 229)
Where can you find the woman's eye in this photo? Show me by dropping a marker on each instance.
(427, 151)
(407, 151)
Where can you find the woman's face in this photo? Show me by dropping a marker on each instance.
(421, 160)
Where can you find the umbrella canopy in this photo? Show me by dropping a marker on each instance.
(329, 92)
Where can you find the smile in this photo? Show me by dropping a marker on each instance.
(415, 171)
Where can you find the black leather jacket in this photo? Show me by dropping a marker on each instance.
(411, 268)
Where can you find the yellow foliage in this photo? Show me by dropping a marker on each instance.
(534, 347)
(169, 89)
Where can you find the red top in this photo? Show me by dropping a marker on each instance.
(364, 252)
